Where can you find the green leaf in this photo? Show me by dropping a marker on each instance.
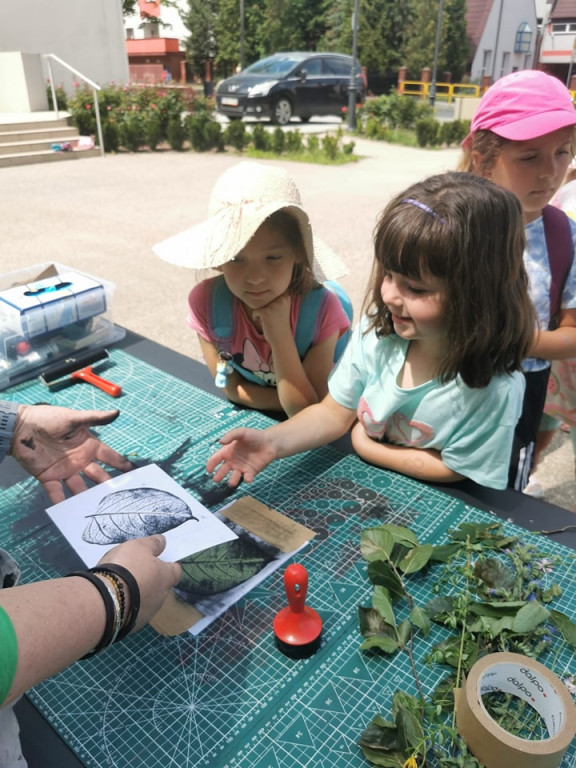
(476, 532)
(381, 642)
(222, 567)
(372, 623)
(380, 734)
(416, 559)
(404, 632)
(496, 610)
(410, 731)
(529, 617)
(439, 608)
(444, 552)
(376, 544)
(390, 760)
(566, 627)
(381, 602)
(381, 573)
(420, 619)
(494, 574)
(402, 535)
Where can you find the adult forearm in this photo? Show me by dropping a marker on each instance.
(56, 622)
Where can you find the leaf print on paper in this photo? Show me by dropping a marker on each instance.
(133, 513)
(222, 567)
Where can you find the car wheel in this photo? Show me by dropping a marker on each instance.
(282, 111)
(234, 118)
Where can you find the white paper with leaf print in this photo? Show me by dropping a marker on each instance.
(135, 504)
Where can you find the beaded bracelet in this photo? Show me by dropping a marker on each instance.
(113, 625)
(133, 590)
(118, 587)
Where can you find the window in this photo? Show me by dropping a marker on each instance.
(129, 33)
(559, 27)
(523, 42)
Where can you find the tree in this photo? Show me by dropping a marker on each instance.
(453, 51)
(201, 45)
(457, 46)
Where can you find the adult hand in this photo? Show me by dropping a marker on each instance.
(55, 445)
(155, 578)
(245, 453)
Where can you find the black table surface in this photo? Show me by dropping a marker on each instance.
(42, 746)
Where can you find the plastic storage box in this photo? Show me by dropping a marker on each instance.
(47, 313)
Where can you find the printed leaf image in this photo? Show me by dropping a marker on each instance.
(222, 567)
(132, 513)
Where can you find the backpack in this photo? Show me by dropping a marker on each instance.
(560, 246)
(221, 320)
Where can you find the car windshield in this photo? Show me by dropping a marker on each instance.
(274, 65)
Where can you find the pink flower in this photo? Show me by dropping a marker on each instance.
(88, 106)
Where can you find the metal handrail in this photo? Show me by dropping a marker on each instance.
(95, 88)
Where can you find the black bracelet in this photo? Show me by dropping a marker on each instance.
(109, 630)
(134, 590)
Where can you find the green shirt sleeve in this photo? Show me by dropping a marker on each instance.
(8, 654)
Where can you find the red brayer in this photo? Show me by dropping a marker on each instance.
(79, 368)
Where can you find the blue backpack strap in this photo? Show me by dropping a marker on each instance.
(560, 247)
(311, 305)
(220, 315)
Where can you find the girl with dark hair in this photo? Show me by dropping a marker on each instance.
(431, 374)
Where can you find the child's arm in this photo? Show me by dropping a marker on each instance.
(299, 383)
(246, 452)
(559, 344)
(420, 463)
(238, 389)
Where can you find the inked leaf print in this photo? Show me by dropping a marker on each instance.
(222, 567)
(135, 512)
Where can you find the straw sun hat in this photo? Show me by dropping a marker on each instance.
(242, 199)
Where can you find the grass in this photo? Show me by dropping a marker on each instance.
(319, 157)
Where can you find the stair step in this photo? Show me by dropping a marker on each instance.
(45, 157)
(21, 125)
(21, 147)
(37, 133)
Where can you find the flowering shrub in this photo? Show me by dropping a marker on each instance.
(132, 115)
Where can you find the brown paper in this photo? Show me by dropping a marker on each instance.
(271, 526)
(530, 680)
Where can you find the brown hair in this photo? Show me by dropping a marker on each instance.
(468, 232)
(303, 279)
(488, 146)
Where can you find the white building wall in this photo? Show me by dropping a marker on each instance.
(495, 54)
(87, 34)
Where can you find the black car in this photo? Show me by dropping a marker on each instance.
(287, 85)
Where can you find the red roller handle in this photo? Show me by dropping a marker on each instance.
(296, 585)
(88, 375)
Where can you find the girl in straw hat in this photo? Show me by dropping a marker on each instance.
(430, 381)
(250, 317)
(522, 137)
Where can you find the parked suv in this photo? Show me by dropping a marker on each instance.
(287, 85)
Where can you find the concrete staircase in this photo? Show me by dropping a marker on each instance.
(27, 139)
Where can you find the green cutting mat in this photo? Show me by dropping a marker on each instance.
(228, 698)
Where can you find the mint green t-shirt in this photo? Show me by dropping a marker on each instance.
(8, 655)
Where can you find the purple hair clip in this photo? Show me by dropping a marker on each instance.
(423, 207)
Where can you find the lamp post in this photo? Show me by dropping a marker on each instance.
(352, 83)
(241, 34)
(432, 91)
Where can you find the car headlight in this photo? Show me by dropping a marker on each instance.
(261, 89)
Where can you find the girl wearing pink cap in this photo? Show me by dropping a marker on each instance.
(522, 137)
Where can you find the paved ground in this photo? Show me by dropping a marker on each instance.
(102, 215)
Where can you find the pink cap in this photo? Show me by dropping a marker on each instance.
(524, 105)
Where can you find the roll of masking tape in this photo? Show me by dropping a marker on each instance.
(535, 684)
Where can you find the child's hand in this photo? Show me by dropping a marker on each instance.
(245, 453)
(275, 318)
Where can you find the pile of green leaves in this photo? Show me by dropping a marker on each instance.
(492, 590)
